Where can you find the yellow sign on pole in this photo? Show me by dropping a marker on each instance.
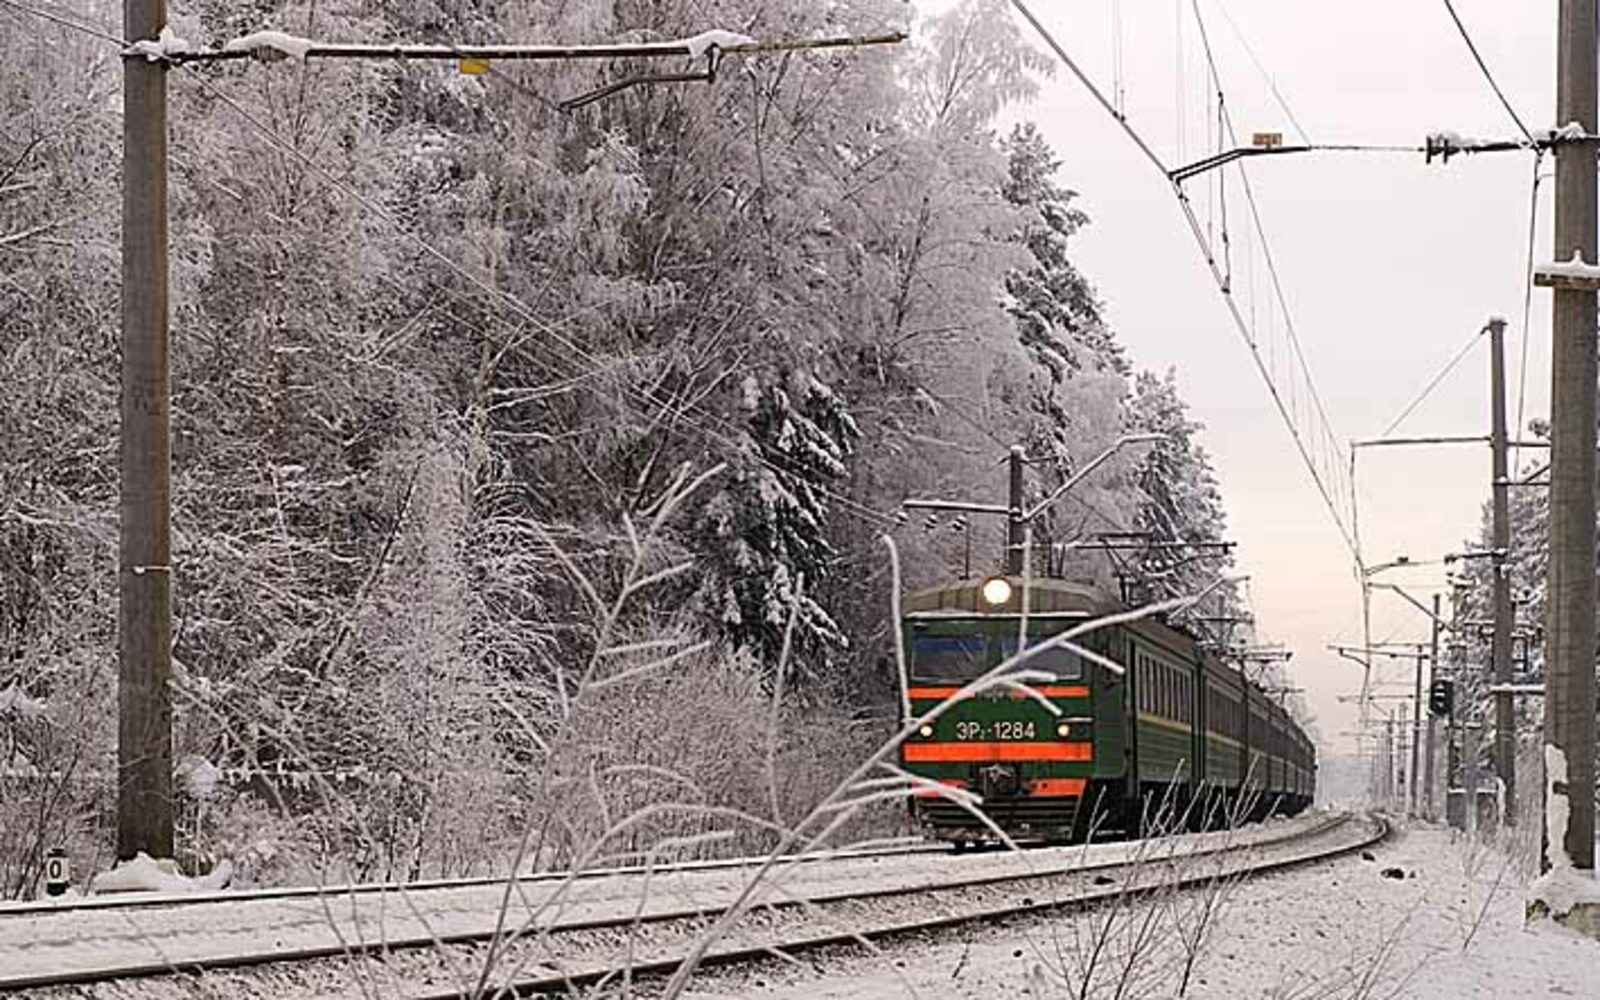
(474, 67)
(1267, 140)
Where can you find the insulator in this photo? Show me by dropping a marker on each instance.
(930, 522)
(901, 517)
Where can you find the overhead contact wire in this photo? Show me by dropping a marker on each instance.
(1199, 233)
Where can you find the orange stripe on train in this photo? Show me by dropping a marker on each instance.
(922, 753)
(1048, 690)
(1057, 786)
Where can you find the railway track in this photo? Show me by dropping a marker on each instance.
(147, 900)
(555, 935)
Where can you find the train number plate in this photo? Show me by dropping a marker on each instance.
(1005, 729)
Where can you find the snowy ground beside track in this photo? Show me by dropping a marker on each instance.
(1452, 929)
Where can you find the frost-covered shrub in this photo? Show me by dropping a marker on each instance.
(685, 751)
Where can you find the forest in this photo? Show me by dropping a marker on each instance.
(532, 464)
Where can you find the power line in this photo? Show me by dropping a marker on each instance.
(1434, 382)
(1318, 476)
(1466, 36)
(66, 22)
(1267, 77)
(1324, 424)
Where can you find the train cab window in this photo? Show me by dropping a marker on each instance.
(1064, 663)
(948, 657)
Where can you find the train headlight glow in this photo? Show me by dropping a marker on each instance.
(1063, 729)
(996, 591)
(925, 732)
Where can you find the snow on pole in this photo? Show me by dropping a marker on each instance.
(166, 46)
(1563, 892)
(269, 46)
(704, 42)
(1575, 274)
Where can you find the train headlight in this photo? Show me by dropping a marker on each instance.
(996, 591)
(1063, 730)
(925, 731)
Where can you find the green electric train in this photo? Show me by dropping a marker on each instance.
(1151, 731)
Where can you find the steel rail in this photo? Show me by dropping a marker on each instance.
(419, 942)
(537, 985)
(158, 900)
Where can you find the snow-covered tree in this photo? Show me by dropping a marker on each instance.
(1058, 316)
(1181, 503)
(764, 542)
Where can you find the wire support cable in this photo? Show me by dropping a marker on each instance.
(1433, 383)
(1272, 85)
(65, 22)
(1488, 76)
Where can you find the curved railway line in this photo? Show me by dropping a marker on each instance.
(426, 943)
(146, 900)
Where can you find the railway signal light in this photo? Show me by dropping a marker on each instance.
(1441, 697)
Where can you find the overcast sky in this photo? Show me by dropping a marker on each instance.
(1389, 265)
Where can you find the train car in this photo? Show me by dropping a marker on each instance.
(1149, 729)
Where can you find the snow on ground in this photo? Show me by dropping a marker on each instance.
(1451, 928)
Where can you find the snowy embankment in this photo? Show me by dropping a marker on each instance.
(1449, 927)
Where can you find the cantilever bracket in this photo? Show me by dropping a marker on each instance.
(713, 57)
(1198, 167)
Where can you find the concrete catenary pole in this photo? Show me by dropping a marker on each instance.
(1412, 794)
(1570, 655)
(1427, 758)
(1014, 525)
(1470, 728)
(144, 730)
(1505, 734)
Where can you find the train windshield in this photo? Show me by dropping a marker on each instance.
(948, 657)
(1064, 663)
